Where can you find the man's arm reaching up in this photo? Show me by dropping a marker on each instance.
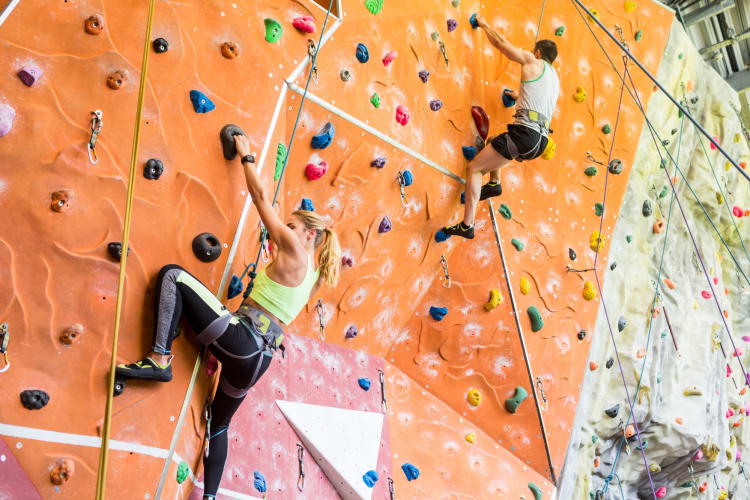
(499, 42)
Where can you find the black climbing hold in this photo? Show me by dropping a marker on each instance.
(571, 254)
(115, 250)
(599, 495)
(610, 362)
(674, 131)
(160, 45)
(582, 335)
(206, 247)
(694, 100)
(621, 323)
(665, 142)
(119, 386)
(34, 399)
(228, 147)
(615, 166)
(613, 266)
(646, 210)
(153, 169)
(613, 411)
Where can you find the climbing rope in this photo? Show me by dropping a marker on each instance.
(539, 24)
(102, 471)
(529, 371)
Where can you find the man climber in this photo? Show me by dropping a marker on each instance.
(526, 138)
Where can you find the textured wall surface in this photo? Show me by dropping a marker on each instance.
(691, 397)
(59, 273)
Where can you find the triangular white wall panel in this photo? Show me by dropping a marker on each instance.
(344, 443)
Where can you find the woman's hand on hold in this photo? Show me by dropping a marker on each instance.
(482, 23)
(243, 145)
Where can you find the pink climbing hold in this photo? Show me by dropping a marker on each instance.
(738, 456)
(730, 412)
(713, 146)
(7, 114)
(716, 280)
(706, 294)
(212, 364)
(402, 114)
(389, 58)
(661, 492)
(746, 338)
(306, 24)
(737, 211)
(729, 371)
(698, 455)
(315, 172)
(30, 74)
(738, 352)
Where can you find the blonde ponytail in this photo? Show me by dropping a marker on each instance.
(329, 261)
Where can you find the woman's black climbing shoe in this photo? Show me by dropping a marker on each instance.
(460, 230)
(146, 369)
(489, 190)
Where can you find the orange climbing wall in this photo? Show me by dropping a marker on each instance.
(59, 273)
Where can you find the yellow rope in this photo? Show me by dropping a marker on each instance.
(102, 472)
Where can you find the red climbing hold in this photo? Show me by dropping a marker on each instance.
(315, 172)
(305, 24)
(716, 140)
(389, 58)
(402, 114)
(481, 120)
(737, 211)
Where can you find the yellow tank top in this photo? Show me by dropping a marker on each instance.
(284, 302)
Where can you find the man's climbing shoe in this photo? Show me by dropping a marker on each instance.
(146, 368)
(489, 190)
(460, 229)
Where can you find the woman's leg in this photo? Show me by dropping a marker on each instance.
(223, 408)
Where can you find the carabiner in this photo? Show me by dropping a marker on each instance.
(300, 458)
(401, 186)
(382, 389)
(4, 339)
(444, 264)
(96, 128)
(319, 307)
(540, 386)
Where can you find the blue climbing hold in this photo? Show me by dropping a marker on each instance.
(508, 100)
(307, 204)
(363, 55)
(260, 482)
(410, 471)
(370, 478)
(364, 383)
(235, 287)
(469, 152)
(473, 21)
(323, 139)
(463, 198)
(438, 313)
(408, 178)
(440, 236)
(201, 103)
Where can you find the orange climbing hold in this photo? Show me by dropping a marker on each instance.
(678, 420)
(593, 365)
(659, 226)
(597, 461)
(629, 431)
(670, 284)
(641, 353)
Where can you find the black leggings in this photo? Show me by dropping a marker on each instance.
(234, 343)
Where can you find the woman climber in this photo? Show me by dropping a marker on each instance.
(526, 138)
(244, 342)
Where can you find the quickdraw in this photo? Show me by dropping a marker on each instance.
(591, 158)
(311, 51)
(300, 458)
(4, 338)
(207, 415)
(391, 488)
(382, 390)
(319, 307)
(447, 279)
(622, 37)
(540, 386)
(401, 186)
(445, 55)
(96, 128)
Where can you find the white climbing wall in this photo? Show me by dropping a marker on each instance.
(344, 443)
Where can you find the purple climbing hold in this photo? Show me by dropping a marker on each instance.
(30, 74)
(452, 25)
(385, 225)
(7, 114)
(347, 261)
(378, 162)
(440, 236)
(424, 75)
(351, 332)
(436, 104)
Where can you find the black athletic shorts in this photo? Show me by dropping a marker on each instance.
(530, 143)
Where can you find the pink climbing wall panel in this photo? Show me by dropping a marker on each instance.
(14, 483)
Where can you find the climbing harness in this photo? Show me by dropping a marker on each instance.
(101, 479)
(540, 386)
(445, 55)
(401, 186)
(312, 52)
(382, 390)
(207, 415)
(447, 277)
(300, 458)
(391, 489)
(534, 116)
(319, 307)
(96, 128)
(4, 338)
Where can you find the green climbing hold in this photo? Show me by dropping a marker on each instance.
(517, 243)
(505, 211)
(629, 238)
(182, 472)
(663, 334)
(375, 100)
(536, 319)
(680, 55)
(607, 129)
(688, 484)
(591, 171)
(663, 192)
(280, 159)
(598, 209)
(594, 438)
(435, 36)
(511, 404)
(559, 31)
(456, 3)
(536, 491)
(374, 6)
(638, 35)
(638, 446)
(273, 30)
(663, 163)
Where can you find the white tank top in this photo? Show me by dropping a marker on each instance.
(539, 95)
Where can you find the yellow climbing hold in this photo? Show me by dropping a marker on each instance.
(474, 397)
(589, 292)
(719, 198)
(580, 94)
(630, 6)
(736, 137)
(723, 493)
(525, 285)
(471, 438)
(495, 300)
(549, 151)
(594, 12)
(727, 166)
(655, 468)
(596, 240)
(692, 391)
